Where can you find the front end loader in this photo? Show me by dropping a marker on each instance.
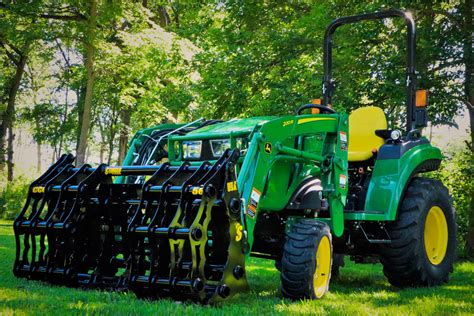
(193, 201)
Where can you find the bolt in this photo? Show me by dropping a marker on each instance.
(196, 234)
(234, 205)
(223, 291)
(198, 285)
(238, 272)
(210, 191)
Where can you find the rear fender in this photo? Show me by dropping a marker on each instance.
(391, 177)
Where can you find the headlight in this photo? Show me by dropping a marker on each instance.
(192, 149)
(396, 134)
(219, 146)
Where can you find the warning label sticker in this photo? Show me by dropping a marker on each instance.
(342, 181)
(253, 204)
(343, 138)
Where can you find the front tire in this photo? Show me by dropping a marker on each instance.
(423, 244)
(306, 261)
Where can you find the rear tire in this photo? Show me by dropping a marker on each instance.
(423, 244)
(306, 261)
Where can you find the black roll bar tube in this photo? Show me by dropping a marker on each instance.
(328, 82)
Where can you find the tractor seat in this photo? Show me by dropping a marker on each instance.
(363, 122)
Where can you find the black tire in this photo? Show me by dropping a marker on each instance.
(278, 264)
(405, 260)
(298, 264)
(337, 264)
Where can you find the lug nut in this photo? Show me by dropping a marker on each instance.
(238, 272)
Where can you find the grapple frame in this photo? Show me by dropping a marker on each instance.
(177, 235)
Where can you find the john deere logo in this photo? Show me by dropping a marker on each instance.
(268, 148)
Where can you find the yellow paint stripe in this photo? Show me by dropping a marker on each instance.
(312, 119)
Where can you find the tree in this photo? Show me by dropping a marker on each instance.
(86, 111)
(21, 27)
(15, 45)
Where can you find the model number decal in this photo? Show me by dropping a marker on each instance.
(38, 190)
(286, 123)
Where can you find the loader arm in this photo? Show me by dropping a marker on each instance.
(285, 152)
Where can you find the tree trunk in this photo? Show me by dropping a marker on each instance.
(164, 16)
(63, 123)
(81, 92)
(8, 117)
(469, 91)
(86, 115)
(10, 163)
(123, 140)
(38, 157)
(103, 142)
(175, 10)
(111, 144)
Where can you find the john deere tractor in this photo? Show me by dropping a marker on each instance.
(194, 201)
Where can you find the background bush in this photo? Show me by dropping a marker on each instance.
(12, 197)
(457, 173)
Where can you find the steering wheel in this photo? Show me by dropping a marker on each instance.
(324, 109)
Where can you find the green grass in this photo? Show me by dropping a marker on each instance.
(361, 289)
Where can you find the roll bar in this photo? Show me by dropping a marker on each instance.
(414, 120)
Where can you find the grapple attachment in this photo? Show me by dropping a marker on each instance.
(178, 235)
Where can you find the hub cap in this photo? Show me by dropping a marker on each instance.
(323, 267)
(436, 235)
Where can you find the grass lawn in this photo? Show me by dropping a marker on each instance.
(361, 289)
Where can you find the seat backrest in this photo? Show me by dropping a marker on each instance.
(363, 122)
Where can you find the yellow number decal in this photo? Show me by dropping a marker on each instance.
(197, 191)
(238, 232)
(231, 186)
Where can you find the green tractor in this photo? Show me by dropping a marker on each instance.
(194, 201)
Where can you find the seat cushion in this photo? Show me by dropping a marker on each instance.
(363, 122)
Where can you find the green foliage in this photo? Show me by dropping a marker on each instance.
(457, 173)
(48, 122)
(12, 197)
(144, 71)
(265, 57)
(261, 58)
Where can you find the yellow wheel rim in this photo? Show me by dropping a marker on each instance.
(323, 267)
(436, 235)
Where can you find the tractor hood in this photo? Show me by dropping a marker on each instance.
(234, 126)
